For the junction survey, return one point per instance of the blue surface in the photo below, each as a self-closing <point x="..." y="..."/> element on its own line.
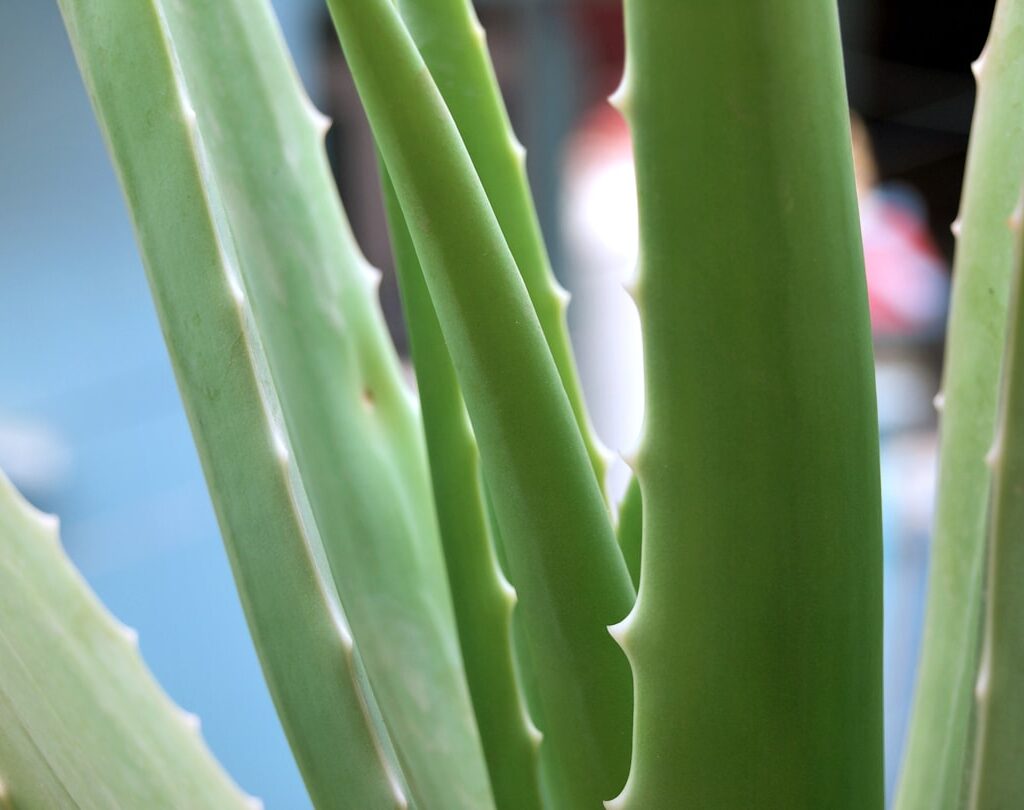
<point x="83" y="363"/>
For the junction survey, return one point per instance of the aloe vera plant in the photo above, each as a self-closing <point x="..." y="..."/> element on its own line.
<point x="448" y="611"/>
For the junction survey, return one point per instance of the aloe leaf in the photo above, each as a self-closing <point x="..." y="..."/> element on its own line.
<point x="936" y="758"/>
<point x="453" y="46"/>
<point x="351" y="426"/>
<point x="756" y="640"/>
<point x="998" y="780"/>
<point x="630" y="529"/>
<point x="550" y="511"/>
<point x="82" y="722"/>
<point x="306" y="652"/>
<point x="351" y="421"/>
<point x="482" y="597"/>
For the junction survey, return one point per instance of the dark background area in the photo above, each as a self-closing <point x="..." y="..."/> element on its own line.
<point x="908" y="72"/>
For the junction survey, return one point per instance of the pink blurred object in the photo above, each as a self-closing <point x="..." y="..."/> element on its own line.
<point x="906" y="276"/>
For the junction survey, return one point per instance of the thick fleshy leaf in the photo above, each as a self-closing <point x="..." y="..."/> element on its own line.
<point x="82" y="722"/>
<point x="936" y="760"/>
<point x="258" y="225"/>
<point x="756" y="640"/>
<point x="549" y="508"/>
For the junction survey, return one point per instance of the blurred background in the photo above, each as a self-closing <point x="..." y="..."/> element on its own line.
<point x="91" y="427"/>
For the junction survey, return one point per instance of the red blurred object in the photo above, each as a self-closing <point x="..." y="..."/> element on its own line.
<point x="906" y="275"/>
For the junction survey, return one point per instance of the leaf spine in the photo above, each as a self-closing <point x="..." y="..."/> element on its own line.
<point x="279" y="442"/>
<point x="479" y="32"/>
<point x="1016" y="217"/>
<point x="236" y="289"/>
<point x="562" y="295"/>
<point x="982" y="685"/>
<point x="535" y="735"/>
<point x="508" y="591"/>
<point x="129" y="634"/>
<point x="621" y="631"/>
<point x="191" y="721"/>
<point x="518" y="151"/>
<point x="994" y="455"/>
<point x="373" y="277"/>
<point x="978" y="65"/>
<point x="321" y="123"/>
<point x="621" y="99"/>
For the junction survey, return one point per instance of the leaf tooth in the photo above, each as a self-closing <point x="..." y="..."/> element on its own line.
<point x="631" y="459"/>
<point x="373" y="276"/>
<point x="1017" y="217"/>
<point x="508" y="592"/>
<point x="983" y="686"/>
<point x="535" y="735"/>
<point x="562" y="296"/>
<point x="236" y="289"/>
<point x="479" y="32"/>
<point x="518" y="150"/>
<point x="625" y="798"/>
<point x="190" y="720"/>
<point x="321" y="122"/>
<point x="401" y="800"/>
<point x="994" y="456"/>
<point x="280" y="443"/>
<point x="631" y="287"/>
<point x="622" y="98"/>
<point x="978" y="65"/>
<point x="344" y="632"/>
<point x="129" y="634"/>
<point x="624" y="633"/>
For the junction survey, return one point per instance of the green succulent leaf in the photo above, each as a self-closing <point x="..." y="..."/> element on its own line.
<point x="83" y="724"/>
<point x="454" y="48"/>
<point x="756" y="636"/>
<point x="549" y="508"/>
<point x="936" y="762"/>
<point x="998" y="780"/>
<point x="240" y="157"/>
<point x="482" y="597"/>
